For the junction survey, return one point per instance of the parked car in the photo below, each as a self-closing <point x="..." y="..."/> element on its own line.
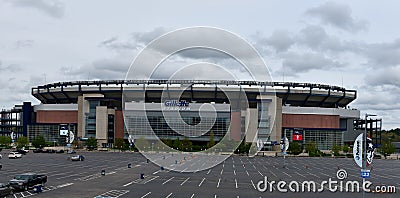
<point x="78" y="158"/>
<point x="71" y="152"/>
<point x="22" y="151"/>
<point x="5" y="190"/>
<point x="27" y="180"/>
<point x="38" y="151"/>
<point x="14" y="155"/>
<point x="60" y="151"/>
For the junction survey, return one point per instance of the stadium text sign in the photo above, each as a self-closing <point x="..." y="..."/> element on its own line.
<point x="179" y="105"/>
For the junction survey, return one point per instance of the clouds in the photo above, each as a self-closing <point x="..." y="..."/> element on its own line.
<point x="297" y="63"/>
<point x="53" y="8"/>
<point x="337" y="15"/>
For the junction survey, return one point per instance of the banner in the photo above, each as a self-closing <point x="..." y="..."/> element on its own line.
<point x="358" y="150"/>
<point x="370" y="151"/>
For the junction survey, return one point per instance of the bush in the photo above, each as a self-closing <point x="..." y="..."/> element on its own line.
<point x="295" y="148"/>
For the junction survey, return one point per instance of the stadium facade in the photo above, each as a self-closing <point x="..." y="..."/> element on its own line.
<point x="305" y="112"/>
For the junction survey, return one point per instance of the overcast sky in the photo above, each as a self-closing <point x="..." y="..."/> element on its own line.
<point x="354" y="44"/>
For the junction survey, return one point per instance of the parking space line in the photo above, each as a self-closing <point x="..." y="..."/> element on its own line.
<point x="192" y="196"/>
<point x="127" y="184"/>
<point x="209" y="171"/>
<point x="252" y="183"/>
<point x="145" y="195"/>
<point x="168" y="180"/>
<point x="236" y="183"/>
<point x="286" y="174"/>
<point x="247" y="173"/>
<point x="185" y="181"/>
<point x="202" y="182"/>
<point x="260" y="173"/>
<point x="168" y="195"/>
<point x="219" y="180"/>
<point x="234" y="172"/>
<point x="222" y="171"/>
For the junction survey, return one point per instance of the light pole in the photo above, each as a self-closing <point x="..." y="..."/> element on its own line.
<point x="365" y="148"/>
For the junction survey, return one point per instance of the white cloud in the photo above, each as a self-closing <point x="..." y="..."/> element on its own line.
<point x="53" y="8"/>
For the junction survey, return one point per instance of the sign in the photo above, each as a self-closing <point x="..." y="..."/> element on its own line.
<point x="358" y="150"/>
<point x="365" y="173"/>
<point x="63" y="129"/>
<point x="298" y="135"/>
<point x="176" y="105"/>
<point x="284" y="144"/>
<point x="370" y="151"/>
<point x="71" y="138"/>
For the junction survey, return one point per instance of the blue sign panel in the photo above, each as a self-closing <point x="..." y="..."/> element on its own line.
<point x="365" y="173"/>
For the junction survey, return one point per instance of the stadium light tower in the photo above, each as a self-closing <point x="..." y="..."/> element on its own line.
<point x="365" y="147"/>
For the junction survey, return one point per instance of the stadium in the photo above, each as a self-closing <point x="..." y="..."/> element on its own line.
<point x="305" y="112"/>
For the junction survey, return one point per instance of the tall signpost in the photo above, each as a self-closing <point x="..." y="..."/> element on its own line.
<point x="360" y="153"/>
<point x="284" y="148"/>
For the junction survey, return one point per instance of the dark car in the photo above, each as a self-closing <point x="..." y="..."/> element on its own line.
<point x="27" y="180"/>
<point x="38" y="151"/>
<point x="5" y="190"/>
<point x="22" y="151"/>
<point x="71" y="152"/>
<point x="60" y="151"/>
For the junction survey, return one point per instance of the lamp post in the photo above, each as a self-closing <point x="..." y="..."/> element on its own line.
<point x="365" y="148"/>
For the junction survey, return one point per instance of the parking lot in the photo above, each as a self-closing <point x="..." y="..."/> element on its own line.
<point x="237" y="176"/>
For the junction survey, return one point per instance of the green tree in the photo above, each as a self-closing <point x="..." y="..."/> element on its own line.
<point x="186" y="144"/>
<point x="336" y="149"/>
<point x="176" y="144"/>
<point x="312" y="149"/>
<point x="119" y="143"/>
<point x="346" y="149"/>
<point x="295" y="148"/>
<point x="387" y="148"/>
<point x="39" y="142"/>
<point x="5" y="140"/>
<point x="142" y="144"/>
<point x="211" y="143"/>
<point x="91" y="143"/>
<point x="22" y="142"/>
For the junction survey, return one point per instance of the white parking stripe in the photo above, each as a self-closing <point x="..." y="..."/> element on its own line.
<point x="253" y="184"/>
<point x="168" y="180"/>
<point x="236" y="183"/>
<point x="219" y="180"/>
<point x="185" y="181"/>
<point x="234" y="172"/>
<point x="208" y="171"/>
<point x="247" y="173"/>
<point x="192" y="196"/>
<point x="168" y="195"/>
<point x="145" y="195"/>
<point x="202" y="182"/>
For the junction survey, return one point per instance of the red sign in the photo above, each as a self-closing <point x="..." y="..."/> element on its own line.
<point x="298" y="135"/>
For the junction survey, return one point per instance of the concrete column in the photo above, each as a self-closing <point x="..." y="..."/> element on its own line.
<point x="101" y="124"/>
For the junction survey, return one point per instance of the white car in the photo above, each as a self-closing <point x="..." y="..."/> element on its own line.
<point x="14" y="155"/>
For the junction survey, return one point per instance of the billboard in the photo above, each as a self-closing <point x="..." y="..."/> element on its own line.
<point x="63" y="129"/>
<point x="298" y="135"/>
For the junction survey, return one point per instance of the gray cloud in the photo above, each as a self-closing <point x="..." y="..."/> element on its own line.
<point x="53" y="8"/>
<point x="10" y="68"/>
<point x="280" y="40"/>
<point x="304" y="62"/>
<point x="23" y="44"/>
<point x="104" y="69"/>
<point x="339" y="16"/>
<point x="382" y="54"/>
<point x="384" y="76"/>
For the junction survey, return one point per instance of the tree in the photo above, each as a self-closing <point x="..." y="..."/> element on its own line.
<point x="176" y="144"/>
<point x="312" y="149"/>
<point x="186" y="144"/>
<point x="295" y="148"/>
<point x="387" y="148"/>
<point x="22" y="142"/>
<point x="39" y="142"/>
<point x="142" y="144"/>
<point x="346" y="148"/>
<point x="119" y="143"/>
<point x="211" y="143"/>
<point x="5" y="140"/>
<point x="91" y="143"/>
<point x="336" y="149"/>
